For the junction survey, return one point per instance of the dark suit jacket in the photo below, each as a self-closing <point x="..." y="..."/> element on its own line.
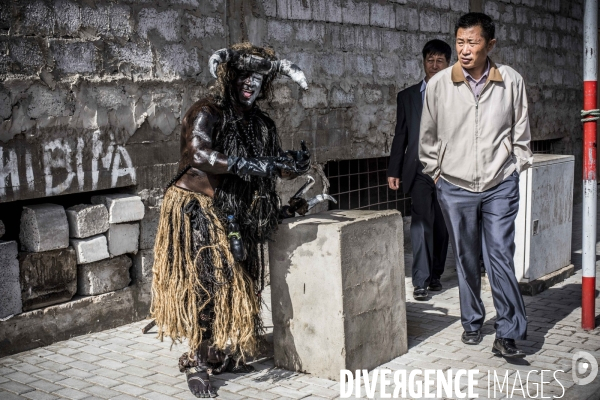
<point x="404" y="156"/>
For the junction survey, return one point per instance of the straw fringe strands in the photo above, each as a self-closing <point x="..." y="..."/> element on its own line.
<point x="198" y="291"/>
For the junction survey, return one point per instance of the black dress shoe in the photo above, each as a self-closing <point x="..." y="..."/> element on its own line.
<point x="472" y="337"/>
<point x="506" y="348"/>
<point x="420" y="293"/>
<point x="435" y="285"/>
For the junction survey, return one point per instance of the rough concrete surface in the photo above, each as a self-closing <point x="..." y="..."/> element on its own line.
<point x="149" y="227"/>
<point x="103" y="276"/>
<point x="123" y="238"/>
<point x="142" y="266"/>
<point x="87" y="220"/>
<point x="43" y="227"/>
<point x="355" y="257"/>
<point x="93" y="93"/>
<point x="10" y="289"/>
<point x="90" y="249"/>
<point x="47" y="278"/>
<point x="121" y="207"/>
<point x="80" y="316"/>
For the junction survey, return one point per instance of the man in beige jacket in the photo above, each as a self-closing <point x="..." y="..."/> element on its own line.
<point x="475" y="136"/>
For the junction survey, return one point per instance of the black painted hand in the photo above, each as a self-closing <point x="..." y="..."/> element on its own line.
<point x="301" y="159"/>
<point x="266" y="167"/>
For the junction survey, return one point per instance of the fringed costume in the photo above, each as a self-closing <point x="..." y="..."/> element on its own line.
<point x="230" y="157"/>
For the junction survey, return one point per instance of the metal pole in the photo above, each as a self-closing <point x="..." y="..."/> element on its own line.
<point x="590" y="76"/>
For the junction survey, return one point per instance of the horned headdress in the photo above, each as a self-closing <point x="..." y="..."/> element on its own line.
<point x="251" y="62"/>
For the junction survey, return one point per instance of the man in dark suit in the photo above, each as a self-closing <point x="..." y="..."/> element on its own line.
<point x="428" y="231"/>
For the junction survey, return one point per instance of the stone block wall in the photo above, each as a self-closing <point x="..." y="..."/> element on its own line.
<point x="92" y="92"/>
<point x="85" y="251"/>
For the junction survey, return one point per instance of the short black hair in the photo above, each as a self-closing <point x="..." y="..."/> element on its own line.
<point x="437" y="46"/>
<point x="488" y="29"/>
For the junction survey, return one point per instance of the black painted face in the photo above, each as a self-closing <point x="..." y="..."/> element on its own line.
<point x="248" y="87"/>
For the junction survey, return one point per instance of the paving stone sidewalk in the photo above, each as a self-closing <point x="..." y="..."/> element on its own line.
<point x="123" y="363"/>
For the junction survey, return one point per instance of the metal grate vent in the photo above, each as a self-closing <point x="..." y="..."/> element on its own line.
<point x="543" y="146"/>
<point x="362" y="185"/>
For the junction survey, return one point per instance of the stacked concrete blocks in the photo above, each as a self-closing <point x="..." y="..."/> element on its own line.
<point x="10" y="288"/>
<point x="121" y="207"/>
<point x="44" y="227"/>
<point x="47" y="266"/>
<point x="90" y="249"/>
<point x="87" y="220"/>
<point x="47" y="278"/>
<point x="87" y="223"/>
<point x="104" y="266"/>
<point x="123" y="238"/>
<point x="355" y="259"/>
<point x="103" y="276"/>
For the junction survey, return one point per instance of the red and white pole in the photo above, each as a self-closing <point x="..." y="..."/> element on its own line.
<point x="590" y="77"/>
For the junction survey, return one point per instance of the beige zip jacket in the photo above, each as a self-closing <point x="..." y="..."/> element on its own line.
<point x="474" y="144"/>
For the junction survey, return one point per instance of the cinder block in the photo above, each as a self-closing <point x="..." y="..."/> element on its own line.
<point x="87" y="220"/>
<point x="2" y="229"/>
<point x="149" y="227"/>
<point x="103" y="276"/>
<point x="356" y="257"/>
<point x="47" y="278"/>
<point x="10" y="289"/>
<point x="142" y="266"/>
<point x="429" y="21"/>
<point x="74" y="58"/>
<point x="164" y="23"/>
<point x="123" y="238"/>
<point x="177" y="60"/>
<point x="355" y="12"/>
<point x="90" y="249"/>
<point x="27" y="53"/>
<point x="407" y="19"/>
<point x="383" y="15"/>
<point x="44" y="227"/>
<point x="121" y="207"/>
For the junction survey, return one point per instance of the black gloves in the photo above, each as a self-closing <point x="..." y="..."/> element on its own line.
<point x="297" y="205"/>
<point x="292" y="161"/>
<point x="266" y="167"/>
<point x="301" y="159"/>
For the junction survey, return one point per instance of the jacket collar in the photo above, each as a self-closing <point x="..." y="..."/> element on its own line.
<point x="458" y="76"/>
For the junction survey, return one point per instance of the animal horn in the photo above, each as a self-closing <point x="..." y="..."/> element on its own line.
<point x="290" y="69"/>
<point x="219" y="57"/>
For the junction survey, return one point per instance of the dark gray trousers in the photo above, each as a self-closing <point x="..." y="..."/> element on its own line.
<point x="485" y="222"/>
<point x="428" y="232"/>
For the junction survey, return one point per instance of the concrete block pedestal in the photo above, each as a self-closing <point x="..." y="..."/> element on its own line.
<point x="338" y="301"/>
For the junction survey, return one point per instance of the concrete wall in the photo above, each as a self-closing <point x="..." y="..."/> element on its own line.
<point x="93" y="92"/>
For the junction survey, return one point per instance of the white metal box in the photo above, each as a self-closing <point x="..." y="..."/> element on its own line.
<point x="544" y="221"/>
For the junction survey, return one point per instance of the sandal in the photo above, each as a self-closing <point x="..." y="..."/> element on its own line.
<point x="198" y="382"/>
